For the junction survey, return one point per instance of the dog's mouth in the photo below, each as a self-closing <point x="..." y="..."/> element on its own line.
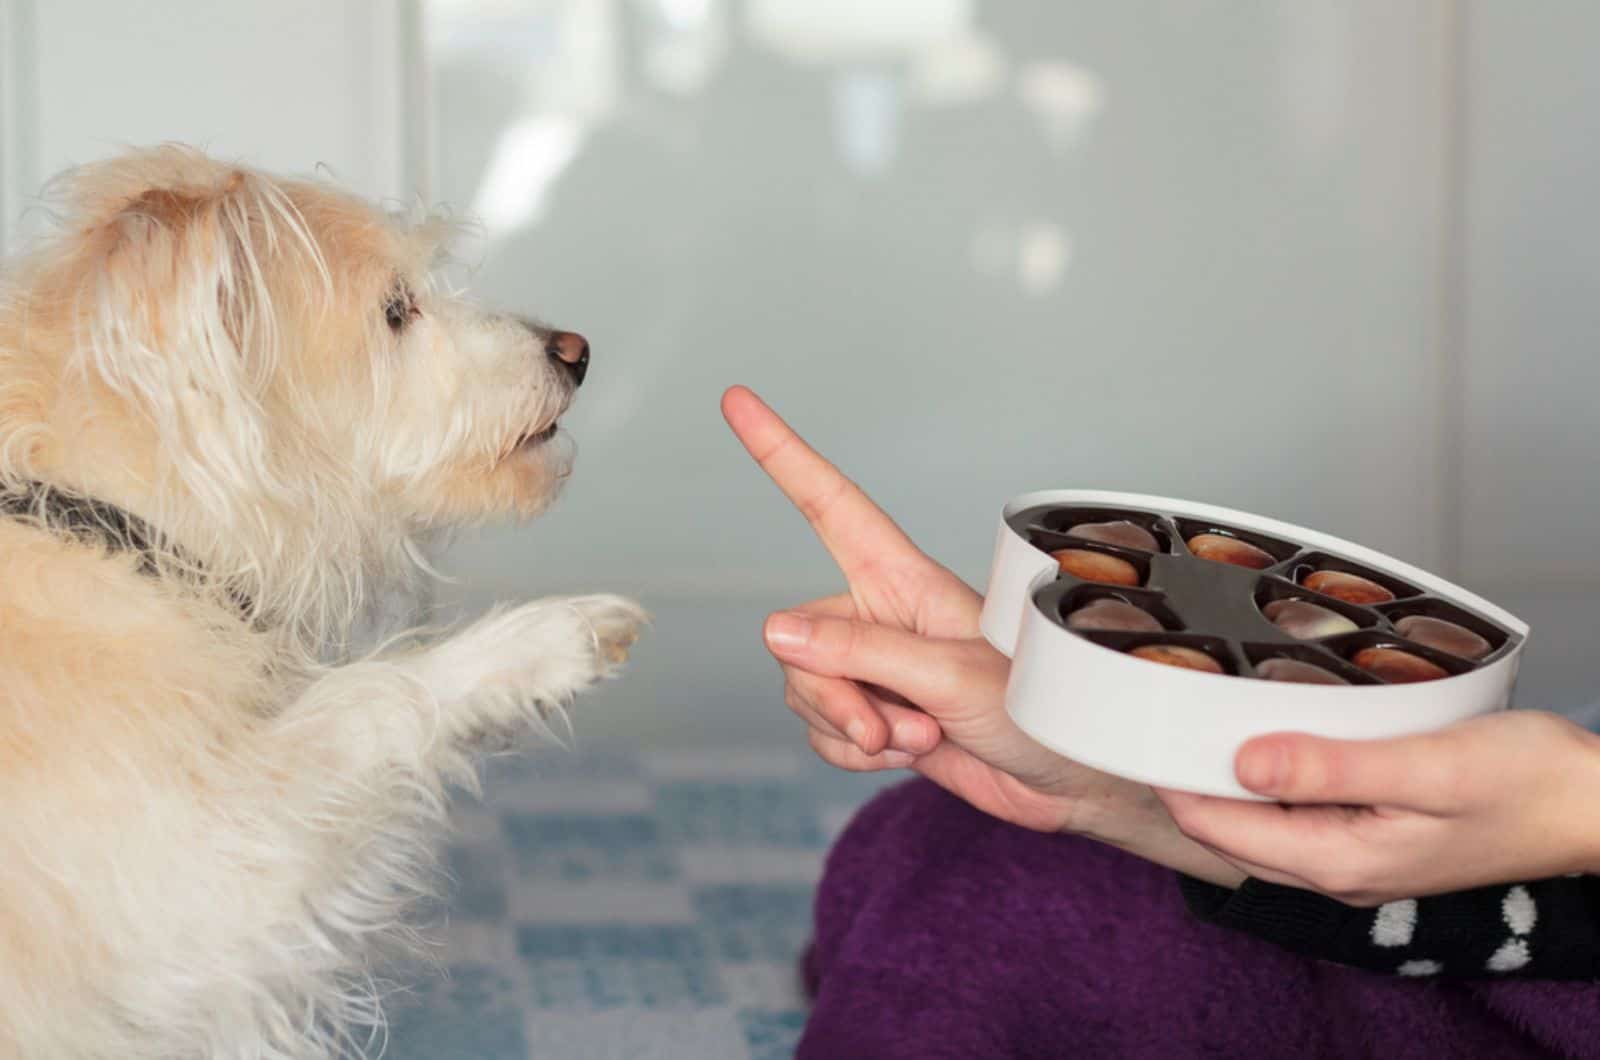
<point x="532" y="439"/>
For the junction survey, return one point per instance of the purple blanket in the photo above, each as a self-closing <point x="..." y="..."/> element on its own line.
<point x="944" y="933"/>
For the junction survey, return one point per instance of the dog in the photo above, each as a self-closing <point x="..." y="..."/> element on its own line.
<point x="231" y="407"/>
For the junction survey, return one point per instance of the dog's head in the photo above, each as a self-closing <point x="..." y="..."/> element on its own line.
<point x="267" y="369"/>
<point x="277" y="333"/>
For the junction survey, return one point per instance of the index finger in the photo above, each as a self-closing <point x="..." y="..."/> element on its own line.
<point x="852" y="528"/>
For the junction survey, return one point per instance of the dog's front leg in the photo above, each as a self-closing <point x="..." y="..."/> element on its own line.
<point x="339" y="801"/>
<point x="425" y="709"/>
<point x="519" y="666"/>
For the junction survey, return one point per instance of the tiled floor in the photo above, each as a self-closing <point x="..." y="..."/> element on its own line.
<point x="622" y="905"/>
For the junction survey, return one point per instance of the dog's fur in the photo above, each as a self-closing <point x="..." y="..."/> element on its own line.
<point x="211" y="821"/>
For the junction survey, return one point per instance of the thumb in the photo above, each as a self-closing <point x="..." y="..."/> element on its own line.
<point x="959" y="683"/>
<point x="933" y="674"/>
<point x="1414" y="772"/>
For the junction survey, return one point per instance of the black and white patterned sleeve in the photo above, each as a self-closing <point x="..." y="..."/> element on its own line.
<point x="1545" y="929"/>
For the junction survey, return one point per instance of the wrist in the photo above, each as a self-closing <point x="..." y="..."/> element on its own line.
<point x="1131" y="818"/>
<point x="1583" y="800"/>
<point x="1116" y="812"/>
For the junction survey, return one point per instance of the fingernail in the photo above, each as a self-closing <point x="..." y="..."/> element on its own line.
<point x="857" y="731"/>
<point x="1263" y="769"/>
<point x="907" y="737"/>
<point x="897" y="759"/>
<point x="788" y="630"/>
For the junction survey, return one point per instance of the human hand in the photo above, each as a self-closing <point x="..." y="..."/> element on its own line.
<point x="1499" y="798"/>
<point x="889" y="580"/>
<point x="893" y="672"/>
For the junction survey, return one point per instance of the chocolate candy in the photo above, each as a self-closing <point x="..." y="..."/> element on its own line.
<point x="1096" y="566"/>
<point x="1112" y="614"/>
<point x="1220" y="548"/>
<point x="1445" y="636"/>
<point x="1118" y="532"/>
<point x="1178" y="655"/>
<point x="1156" y="585"/>
<point x="1351" y="588"/>
<point x="1305" y="620"/>
<point x="1301" y="673"/>
<point x="1396" y="666"/>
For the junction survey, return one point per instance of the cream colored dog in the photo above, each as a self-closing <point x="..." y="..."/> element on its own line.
<point x="229" y="405"/>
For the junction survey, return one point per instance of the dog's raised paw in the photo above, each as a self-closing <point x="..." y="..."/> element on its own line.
<point x="615" y="623"/>
<point x="537" y="655"/>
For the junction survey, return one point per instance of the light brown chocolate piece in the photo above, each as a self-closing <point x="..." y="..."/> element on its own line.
<point x="1351" y="588"/>
<point x="1398" y="667"/>
<point x="1219" y="548"/>
<point x="1096" y="566"/>
<point x="1178" y="655"/>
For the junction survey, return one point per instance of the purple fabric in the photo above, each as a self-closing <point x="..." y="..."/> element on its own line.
<point x="942" y="932"/>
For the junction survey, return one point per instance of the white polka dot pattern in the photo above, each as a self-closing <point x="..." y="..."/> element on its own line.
<point x="1395" y="923"/>
<point x="1520" y="913"/>
<point x="1513" y="954"/>
<point x="1518" y="909"/>
<point x="1420" y="968"/>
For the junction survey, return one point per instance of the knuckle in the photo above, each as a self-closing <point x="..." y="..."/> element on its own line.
<point x="1451" y="783"/>
<point x="1345" y="881"/>
<point x="1312" y="772"/>
<point x="852" y="641"/>
<point x="801" y="705"/>
<point x="1437" y="776"/>
<point x="837" y="753"/>
<point x="815" y="506"/>
<point x="1547" y="725"/>
<point x="833" y="705"/>
<point x="826" y="747"/>
<point x="1554" y="731"/>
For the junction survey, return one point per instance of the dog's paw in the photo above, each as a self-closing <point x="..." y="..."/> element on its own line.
<point x="614" y="623"/>
<point x="532" y="658"/>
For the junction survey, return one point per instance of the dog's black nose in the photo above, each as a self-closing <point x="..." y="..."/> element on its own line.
<point x="572" y="350"/>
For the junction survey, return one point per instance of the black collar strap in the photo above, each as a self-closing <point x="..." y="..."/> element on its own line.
<point x="96" y="522"/>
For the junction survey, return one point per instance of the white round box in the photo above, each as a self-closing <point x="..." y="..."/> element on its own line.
<point x="1181" y="729"/>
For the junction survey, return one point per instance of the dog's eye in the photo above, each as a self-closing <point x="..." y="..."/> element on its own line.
<point x="399" y="308"/>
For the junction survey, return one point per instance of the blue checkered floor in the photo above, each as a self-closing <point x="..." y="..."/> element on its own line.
<point x="621" y="905"/>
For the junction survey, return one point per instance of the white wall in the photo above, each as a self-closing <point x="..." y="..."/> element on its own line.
<point x="1531" y="462"/>
<point x="288" y="84"/>
<point x="1184" y="248"/>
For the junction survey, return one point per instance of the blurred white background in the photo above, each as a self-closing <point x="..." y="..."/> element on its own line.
<point x="1334" y="262"/>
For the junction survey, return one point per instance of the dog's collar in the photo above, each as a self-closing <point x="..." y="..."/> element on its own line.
<point x="98" y="522"/>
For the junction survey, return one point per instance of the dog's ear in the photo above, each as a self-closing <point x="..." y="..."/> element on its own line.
<point x="177" y="296"/>
<point x="180" y="285"/>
